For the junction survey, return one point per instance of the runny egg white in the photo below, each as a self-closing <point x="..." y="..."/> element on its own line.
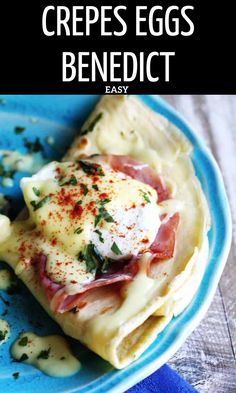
<point x="71" y="209"/>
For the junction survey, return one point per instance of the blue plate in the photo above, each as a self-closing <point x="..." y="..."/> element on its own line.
<point x="61" y="117"/>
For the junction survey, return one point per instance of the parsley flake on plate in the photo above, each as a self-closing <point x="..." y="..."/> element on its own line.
<point x="23" y="341"/>
<point x="44" y="354"/>
<point x="33" y="147"/>
<point x="3" y="334"/>
<point x="18" y="130"/>
<point x="23" y="357"/>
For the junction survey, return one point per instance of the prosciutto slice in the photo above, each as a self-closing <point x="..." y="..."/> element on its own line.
<point x="162" y="248"/>
<point x="56" y="293"/>
<point x="63" y="302"/>
<point x="50" y="287"/>
<point x="137" y="170"/>
<point x="164" y="244"/>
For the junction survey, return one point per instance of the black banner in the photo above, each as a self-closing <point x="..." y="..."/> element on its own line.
<point x="117" y="47"/>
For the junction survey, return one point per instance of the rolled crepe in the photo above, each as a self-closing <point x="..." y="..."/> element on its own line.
<point x="121" y="332"/>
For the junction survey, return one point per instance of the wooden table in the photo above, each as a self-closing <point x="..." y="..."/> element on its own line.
<point x="207" y="359"/>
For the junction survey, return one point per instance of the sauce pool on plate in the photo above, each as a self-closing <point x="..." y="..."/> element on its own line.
<point x="4" y="331"/>
<point x="5" y="279"/>
<point x="50" y="354"/>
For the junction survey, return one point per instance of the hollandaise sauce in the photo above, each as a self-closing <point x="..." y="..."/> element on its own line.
<point x="4" y="331"/>
<point x="50" y="354"/>
<point x="5" y="279"/>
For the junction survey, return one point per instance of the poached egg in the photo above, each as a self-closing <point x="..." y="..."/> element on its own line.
<point x="76" y="204"/>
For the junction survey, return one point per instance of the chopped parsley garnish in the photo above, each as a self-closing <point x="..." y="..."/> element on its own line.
<point x="33" y="147"/>
<point x="23" y="357"/>
<point x="104" y="201"/>
<point x="44" y="354"/>
<point x="19" y="130"/>
<point x="79" y="202"/>
<point x="41" y="203"/>
<point x="116" y="249"/>
<point x="95" y="187"/>
<point x="99" y="233"/>
<point x="36" y="191"/>
<point x="91" y="168"/>
<point x="72" y="181"/>
<point x="3" y="335"/>
<point x="23" y="341"/>
<point x="103" y="214"/>
<point x="92" y="258"/>
<point x="105" y="266"/>
<point x="84" y="189"/>
<point x="95" y="263"/>
<point x="16" y="375"/>
<point x="74" y="310"/>
<point x="92" y="125"/>
<point x="145" y="196"/>
<point x="78" y="230"/>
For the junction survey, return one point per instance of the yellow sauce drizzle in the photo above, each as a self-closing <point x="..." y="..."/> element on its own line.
<point x="4" y="331"/>
<point x="5" y="279"/>
<point x="50" y="354"/>
<point x="14" y="160"/>
<point x="4" y="204"/>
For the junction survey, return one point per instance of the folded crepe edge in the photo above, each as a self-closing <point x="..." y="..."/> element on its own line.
<point x="132" y="338"/>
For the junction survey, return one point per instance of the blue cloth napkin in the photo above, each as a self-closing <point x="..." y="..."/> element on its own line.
<point x="164" y="380"/>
